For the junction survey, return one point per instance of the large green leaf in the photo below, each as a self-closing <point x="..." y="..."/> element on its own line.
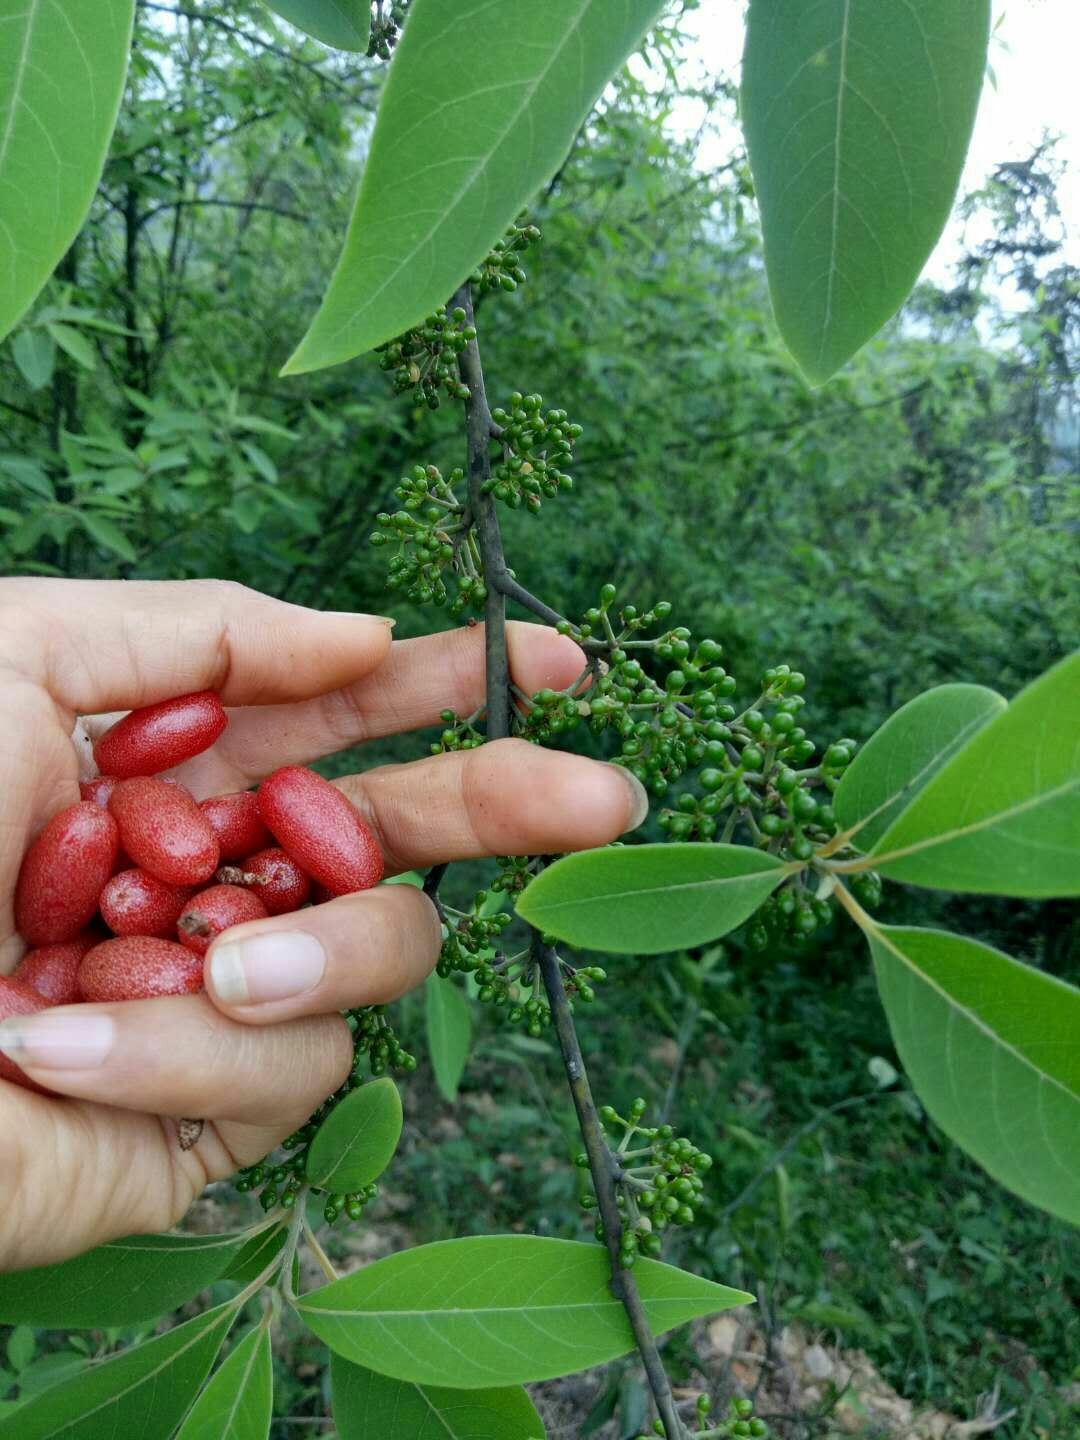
<point x="367" y="1405"/>
<point x="993" y="1049"/>
<point x="449" y="1030"/>
<point x="498" y="1310"/>
<point x="1003" y="816"/>
<point x="62" y="70"/>
<point x="120" y="1283"/>
<point x="480" y="109"/>
<point x="142" y="1393"/>
<point x="905" y="753"/>
<point x="344" y="24"/>
<point x="644" y="899"/>
<point x="857" y="116"/>
<point x="238" y="1403"/>
<point x="357" y="1140"/>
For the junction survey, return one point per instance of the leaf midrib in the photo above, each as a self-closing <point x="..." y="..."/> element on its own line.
<point x="554" y="1306"/>
<point x="608" y="895"/>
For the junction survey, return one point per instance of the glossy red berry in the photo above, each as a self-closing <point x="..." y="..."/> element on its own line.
<point x="51" y="971"/>
<point x="210" y="912"/>
<point x="320" y="829"/>
<point x="63" y="872"/>
<point x="164" y="831"/>
<point x="18" y="999"/>
<point x="155" y="738"/>
<point x="99" y="789"/>
<point x="279" y="882"/>
<point x="139" y="967"/>
<point x="138" y="903"/>
<point x="237" y="824"/>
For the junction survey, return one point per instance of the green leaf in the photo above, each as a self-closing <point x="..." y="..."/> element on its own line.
<point x="449" y="1031"/>
<point x="255" y="1256"/>
<point x="35" y="354"/>
<point x="905" y="753"/>
<point x="644" y="899"/>
<point x="20" y="1347"/>
<point x="27" y="473"/>
<point x="368" y="1405"/>
<point x="991" y="1047"/>
<point x="121" y="1283"/>
<point x="465" y="134"/>
<point x="1003" y="816"/>
<point x="344" y="24"/>
<point x="108" y="535"/>
<point x="238" y="1403"/>
<point x="76" y="345"/>
<point x="142" y="1393"/>
<point x="62" y="71"/>
<point x="857" y="120"/>
<point x="498" y="1310"/>
<point x="357" y="1140"/>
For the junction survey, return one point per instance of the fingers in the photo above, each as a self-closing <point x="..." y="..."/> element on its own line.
<point x="99" y="645"/>
<point x="180" y="1056"/>
<point x="360" y="950"/>
<point x="417" y="680"/>
<point x="506" y="798"/>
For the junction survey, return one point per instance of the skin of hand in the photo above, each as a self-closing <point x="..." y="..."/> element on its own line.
<point x="264" y="1044"/>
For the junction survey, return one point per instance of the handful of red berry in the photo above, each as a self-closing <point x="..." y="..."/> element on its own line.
<point x="139" y="857"/>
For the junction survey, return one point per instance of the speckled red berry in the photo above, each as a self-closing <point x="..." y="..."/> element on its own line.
<point x="18" y="999"/>
<point x="99" y="789"/>
<point x="237" y="824"/>
<point x="51" y="971"/>
<point x="279" y="882"/>
<point x="320" y="829"/>
<point x="164" y="831"/>
<point x="155" y="738"/>
<point x="63" y="872"/>
<point x="139" y="967"/>
<point x="138" y="903"/>
<point x="210" y="912"/>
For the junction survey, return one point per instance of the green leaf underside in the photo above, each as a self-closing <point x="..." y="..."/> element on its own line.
<point x="141" y="1394"/>
<point x="857" y="116"/>
<point x="256" y="1255"/>
<point x="992" y="1048"/>
<point x="121" y="1283"/>
<point x="1003" y="816"/>
<point x="906" y="753"/>
<point x="62" y="69"/>
<point x="449" y="1030"/>
<point x="367" y="1405"/>
<point x="498" y="1310"/>
<point x="645" y="899"/>
<point x="238" y="1403"/>
<point x="465" y="134"/>
<point x="357" y="1140"/>
<point x="344" y="24"/>
<point x="35" y="354"/>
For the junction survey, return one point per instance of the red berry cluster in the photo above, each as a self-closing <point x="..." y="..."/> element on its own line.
<point x="166" y="873"/>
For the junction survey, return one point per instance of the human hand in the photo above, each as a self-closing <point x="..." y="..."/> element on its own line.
<point x="263" y="1046"/>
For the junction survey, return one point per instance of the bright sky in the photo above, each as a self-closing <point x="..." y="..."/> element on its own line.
<point x="1035" y="55"/>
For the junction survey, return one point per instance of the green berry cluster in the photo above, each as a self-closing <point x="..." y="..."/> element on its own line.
<point x="738" y="1423"/>
<point x="501" y="268"/>
<point x="426" y="359"/>
<point x="514" y="985"/>
<point x="433" y="542"/>
<point x="386" y="22"/>
<point x="534" y="444"/>
<point x="471" y="936"/>
<point x="659" y="1181"/>
<point x="375" y="1042"/>
<point x="458" y="733"/>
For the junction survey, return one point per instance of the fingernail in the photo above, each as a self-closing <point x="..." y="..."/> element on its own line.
<point x="275" y="966"/>
<point x="64" y="1039"/>
<point x="362" y="615"/>
<point x="640" y="798"/>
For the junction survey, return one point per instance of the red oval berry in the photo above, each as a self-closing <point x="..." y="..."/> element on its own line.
<point x="157" y="737"/>
<point x="214" y="910"/>
<point x="52" y="971"/>
<point x="138" y="903"/>
<point x="164" y="831"/>
<point x="99" y="789"/>
<point x="139" y="967"/>
<point x="62" y="873"/>
<point x="18" y="999"/>
<point x="279" y="882"/>
<point x="320" y="829"/>
<point x="236" y="822"/>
